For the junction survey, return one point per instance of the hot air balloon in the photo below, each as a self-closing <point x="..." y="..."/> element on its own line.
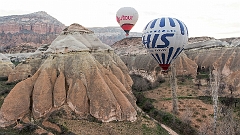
<point x="127" y="18"/>
<point x="165" y="38"/>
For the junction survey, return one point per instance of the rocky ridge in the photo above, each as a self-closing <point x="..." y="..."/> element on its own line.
<point x="6" y="66"/>
<point x="30" y="29"/>
<point x="84" y="76"/>
<point x="110" y="35"/>
<point x="221" y="55"/>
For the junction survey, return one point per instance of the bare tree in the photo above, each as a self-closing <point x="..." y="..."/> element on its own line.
<point x="173" y="84"/>
<point x="214" y="82"/>
<point x="222" y="86"/>
<point x="228" y="125"/>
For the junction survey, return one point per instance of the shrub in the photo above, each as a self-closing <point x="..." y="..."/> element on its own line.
<point x="147" y="106"/>
<point x="139" y="83"/>
<point x="158" y="81"/>
<point x="142" y="84"/>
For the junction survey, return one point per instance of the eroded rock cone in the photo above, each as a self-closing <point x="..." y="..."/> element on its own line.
<point x="84" y="75"/>
<point x="24" y="70"/>
<point x="6" y="66"/>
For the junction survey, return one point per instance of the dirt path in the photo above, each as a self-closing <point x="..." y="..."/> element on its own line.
<point x="170" y="131"/>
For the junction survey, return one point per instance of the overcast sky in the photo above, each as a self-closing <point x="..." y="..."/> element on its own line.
<point x="214" y="18"/>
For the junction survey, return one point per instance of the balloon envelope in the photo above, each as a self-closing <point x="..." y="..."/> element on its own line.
<point x="165" y="39"/>
<point x="127" y="18"/>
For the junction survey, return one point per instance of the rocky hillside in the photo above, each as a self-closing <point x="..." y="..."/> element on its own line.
<point x="222" y="55"/>
<point x="209" y="42"/>
<point x="30" y="29"/>
<point x="6" y="66"/>
<point x="82" y="76"/>
<point x="110" y="35"/>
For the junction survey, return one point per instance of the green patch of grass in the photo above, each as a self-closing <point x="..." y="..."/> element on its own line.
<point x="205" y="99"/>
<point x="186" y="97"/>
<point x="202" y="76"/>
<point x="168" y="119"/>
<point x="151" y="131"/>
<point x="5" y="88"/>
<point x="204" y="116"/>
<point x="28" y="129"/>
<point x="180" y="97"/>
<point x="167" y="99"/>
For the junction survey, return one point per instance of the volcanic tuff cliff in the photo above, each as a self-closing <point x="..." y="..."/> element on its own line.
<point x="81" y="75"/>
<point x="30" y="29"/>
<point x="222" y="55"/>
<point x="6" y="66"/>
<point x="110" y="35"/>
<point x="40" y="28"/>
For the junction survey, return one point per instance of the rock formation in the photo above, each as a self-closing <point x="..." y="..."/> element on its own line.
<point x="135" y="56"/>
<point x="29" y="63"/>
<point x="31" y="29"/>
<point x="110" y="35"/>
<point x="25" y="69"/>
<point x="222" y="55"/>
<point x="212" y="52"/>
<point x="6" y="66"/>
<point x="82" y="75"/>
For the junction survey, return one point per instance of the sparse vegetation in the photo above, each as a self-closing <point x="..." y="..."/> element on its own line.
<point x="27" y="129"/>
<point x="151" y="131"/>
<point x="5" y="88"/>
<point x="142" y="84"/>
<point x="15" y="62"/>
<point x="163" y="117"/>
<point x="198" y="113"/>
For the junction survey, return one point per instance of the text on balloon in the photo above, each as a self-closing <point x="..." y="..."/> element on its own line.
<point x="123" y="17"/>
<point x="163" y="38"/>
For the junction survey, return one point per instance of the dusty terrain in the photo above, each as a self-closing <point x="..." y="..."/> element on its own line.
<point x="191" y="109"/>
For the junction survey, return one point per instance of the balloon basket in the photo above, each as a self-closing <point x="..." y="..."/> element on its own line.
<point x="165" y="72"/>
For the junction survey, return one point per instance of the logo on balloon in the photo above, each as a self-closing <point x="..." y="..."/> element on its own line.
<point x="123" y="17"/>
<point x="155" y="38"/>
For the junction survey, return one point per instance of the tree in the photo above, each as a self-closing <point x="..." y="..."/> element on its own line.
<point x="222" y="86"/>
<point x="173" y="83"/>
<point x="214" y="82"/>
<point x="231" y="88"/>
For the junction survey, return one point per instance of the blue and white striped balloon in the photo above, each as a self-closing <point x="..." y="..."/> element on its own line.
<point x="165" y="39"/>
